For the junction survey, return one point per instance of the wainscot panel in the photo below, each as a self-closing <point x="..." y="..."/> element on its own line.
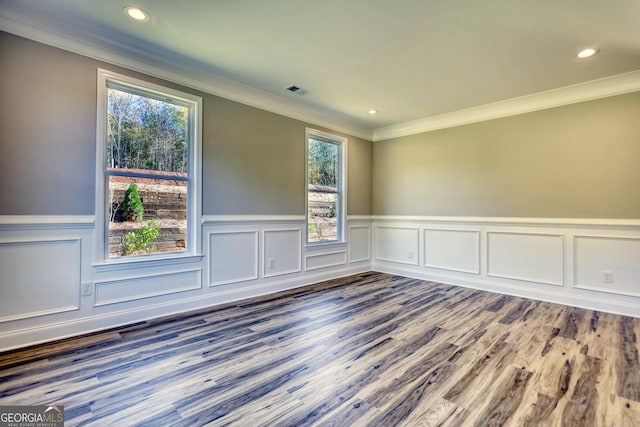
<point x="282" y="251"/>
<point x="397" y="244"/>
<point x="135" y="288"/>
<point x="608" y="264"/>
<point x="589" y="263"/>
<point x="326" y="259"/>
<point x="448" y="249"/>
<point x="359" y="243"/>
<point x="233" y="256"/>
<point x="525" y="256"/>
<point x="39" y="277"/>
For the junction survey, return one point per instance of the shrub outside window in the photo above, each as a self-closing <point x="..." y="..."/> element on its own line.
<point x="148" y="154"/>
<point x="325" y="187"/>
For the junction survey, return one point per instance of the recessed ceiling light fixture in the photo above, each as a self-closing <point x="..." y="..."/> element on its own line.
<point x="586" y="53"/>
<point x="136" y="14"/>
<point x="373" y="111"/>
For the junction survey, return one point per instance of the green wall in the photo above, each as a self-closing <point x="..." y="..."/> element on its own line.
<point x="253" y="160"/>
<point x="576" y="161"/>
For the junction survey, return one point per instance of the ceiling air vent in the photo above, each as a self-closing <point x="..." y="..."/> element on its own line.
<point x="295" y="89"/>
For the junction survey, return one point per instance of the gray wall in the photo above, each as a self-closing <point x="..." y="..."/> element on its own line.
<point x="253" y="160"/>
<point x="576" y="161"/>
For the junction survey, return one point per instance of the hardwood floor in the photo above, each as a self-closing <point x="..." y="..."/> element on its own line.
<point x="366" y="350"/>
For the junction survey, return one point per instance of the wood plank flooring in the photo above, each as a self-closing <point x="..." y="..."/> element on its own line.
<point x="365" y="350"/>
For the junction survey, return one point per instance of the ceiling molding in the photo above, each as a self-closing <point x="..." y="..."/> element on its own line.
<point x="205" y="82"/>
<point x="208" y="82"/>
<point x="587" y="91"/>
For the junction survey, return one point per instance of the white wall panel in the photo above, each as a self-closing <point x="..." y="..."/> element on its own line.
<point x="594" y="255"/>
<point x="282" y="251"/>
<point x="39" y="277"/>
<point x="233" y="257"/>
<point x="135" y="288"/>
<point x="359" y="243"/>
<point x="526" y="256"/>
<point x="457" y="250"/>
<point x="397" y="244"/>
<point x="322" y="260"/>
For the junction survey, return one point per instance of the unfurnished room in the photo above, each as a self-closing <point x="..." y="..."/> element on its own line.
<point x="327" y="213"/>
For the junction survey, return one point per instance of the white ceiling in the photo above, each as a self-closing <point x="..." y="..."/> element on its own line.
<point x="409" y="59"/>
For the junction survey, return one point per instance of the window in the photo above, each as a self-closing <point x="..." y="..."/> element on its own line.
<point x="148" y="194"/>
<point x="325" y="187"/>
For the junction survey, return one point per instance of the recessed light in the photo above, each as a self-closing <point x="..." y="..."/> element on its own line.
<point x="586" y="53"/>
<point x="136" y="13"/>
<point x="372" y="111"/>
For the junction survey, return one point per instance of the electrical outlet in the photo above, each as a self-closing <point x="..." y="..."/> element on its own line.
<point x="410" y="254"/>
<point x="86" y="289"/>
<point x="607" y="276"/>
<point x="271" y="263"/>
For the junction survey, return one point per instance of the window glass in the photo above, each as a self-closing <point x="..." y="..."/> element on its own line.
<point x="324" y="189"/>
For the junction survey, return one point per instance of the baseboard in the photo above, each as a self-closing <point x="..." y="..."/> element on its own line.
<point x="538" y="291"/>
<point x="96" y="323"/>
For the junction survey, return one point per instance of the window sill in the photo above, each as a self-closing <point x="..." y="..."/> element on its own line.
<point x="146" y="261"/>
<point x="324" y="245"/>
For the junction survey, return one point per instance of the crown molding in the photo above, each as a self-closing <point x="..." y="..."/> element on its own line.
<point x="128" y="57"/>
<point x="206" y="82"/>
<point x="581" y="92"/>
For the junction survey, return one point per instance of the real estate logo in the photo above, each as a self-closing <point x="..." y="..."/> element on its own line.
<point x="32" y="416"/>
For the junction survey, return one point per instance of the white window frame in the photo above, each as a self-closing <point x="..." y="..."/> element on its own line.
<point x="341" y="214"/>
<point x="109" y="79"/>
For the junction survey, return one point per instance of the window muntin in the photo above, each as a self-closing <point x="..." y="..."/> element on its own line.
<point x="325" y="191"/>
<point x="149" y="137"/>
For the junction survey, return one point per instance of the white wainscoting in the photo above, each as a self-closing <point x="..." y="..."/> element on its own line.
<point x="135" y="288"/>
<point x="316" y="261"/>
<point x="398" y="244"/>
<point x="39" y="277"/>
<point x="50" y="261"/>
<point x="233" y="256"/>
<point x="450" y="249"/>
<point x="359" y="243"/>
<point x="53" y="286"/>
<point x="282" y="251"/>
<point x="557" y="260"/>
<point x="620" y="256"/>
<point x="525" y="256"/>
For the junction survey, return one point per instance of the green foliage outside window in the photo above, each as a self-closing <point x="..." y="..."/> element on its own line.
<point x="131" y="207"/>
<point x="140" y="241"/>
<point x="323" y="163"/>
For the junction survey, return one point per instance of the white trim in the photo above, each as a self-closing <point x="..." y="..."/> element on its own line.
<point x="561" y="222"/>
<point x="341" y="142"/>
<point x="369" y="243"/>
<point x="213" y="219"/>
<point x="98" y="285"/>
<point x="210" y="83"/>
<point x="442" y="267"/>
<point x="522" y="278"/>
<point x="128" y="57"/>
<point x="581" y="92"/>
<point x="40" y="333"/>
<point x="298" y="269"/>
<point x="256" y="255"/>
<point x="591" y="300"/>
<point x="318" y="255"/>
<point x="105" y="79"/>
<point x="48" y="221"/>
